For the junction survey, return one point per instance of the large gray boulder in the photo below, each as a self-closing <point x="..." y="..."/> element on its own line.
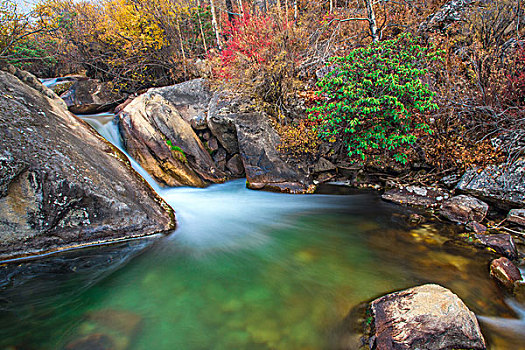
<point x="264" y="165"/>
<point x="502" y="185"/>
<point x="61" y="184"/>
<point x="90" y="96"/>
<point x="221" y="121"/>
<point x="424" y="317"/>
<point x="164" y="144"/>
<point x="190" y="98"/>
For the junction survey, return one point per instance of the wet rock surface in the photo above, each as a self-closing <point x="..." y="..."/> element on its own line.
<point x="164" y="144"/>
<point x="91" y="96"/>
<point x="416" y="195"/>
<point x="463" y="209"/>
<point x="502" y="244"/>
<point x="505" y="272"/>
<point x="424" y="317"/>
<point x="61" y="184"/>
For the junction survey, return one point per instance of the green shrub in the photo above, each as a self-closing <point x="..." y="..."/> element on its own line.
<point x="373" y="99"/>
<point x="177" y="151"/>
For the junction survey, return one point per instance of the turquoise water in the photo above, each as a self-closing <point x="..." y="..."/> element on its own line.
<point x="247" y="270"/>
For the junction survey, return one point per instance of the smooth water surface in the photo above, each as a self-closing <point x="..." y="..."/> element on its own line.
<point x="253" y="270"/>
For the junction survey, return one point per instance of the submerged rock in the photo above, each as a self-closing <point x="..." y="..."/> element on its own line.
<point x="502" y="185"/>
<point x="164" y="144"/>
<point x="61" y="184"/>
<point x="90" y="96"/>
<point x="463" y="209"/>
<point x="424" y="317"/>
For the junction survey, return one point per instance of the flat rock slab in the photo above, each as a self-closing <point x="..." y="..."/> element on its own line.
<point x="502" y="244"/>
<point x="517" y="216"/>
<point x="416" y="196"/>
<point x="502" y="185"/>
<point x="424" y="317"/>
<point x="463" y="209"/>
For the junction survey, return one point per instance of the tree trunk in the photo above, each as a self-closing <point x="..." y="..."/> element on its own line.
<point x="331" y="6"/>
<point x="241" y="8"/>
<point x="229" y="8"/>
<point x="295" y="10"/>
<point x="372" y="21"/>
<point x="181" y="45"/>
<point x="215" y="25"/>
<point x="200" y="27"/>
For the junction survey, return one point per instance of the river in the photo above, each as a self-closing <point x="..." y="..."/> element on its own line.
<point x="248" y="270"/>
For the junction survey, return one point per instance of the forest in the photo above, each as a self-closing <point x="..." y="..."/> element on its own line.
<point x="400" y="84"/>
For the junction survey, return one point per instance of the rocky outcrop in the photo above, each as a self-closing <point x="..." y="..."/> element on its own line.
<point x="190" y="98"/>
<point x="61" y="184"/>
<point x="265" y="169"/>
<point x="221" y="121"/>
<point x="463" y="209"/>
<point x="502" y="185"/>
<point x="449" y="13"/>
<point x="91" y="96"/>
<point x="33" y="82"/>
<point x="426" y="197"/>
<point x="164" y="144"/>
<point x="424" y="317"/>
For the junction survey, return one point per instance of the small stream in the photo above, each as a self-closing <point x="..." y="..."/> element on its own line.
<point x="248" y="270"/>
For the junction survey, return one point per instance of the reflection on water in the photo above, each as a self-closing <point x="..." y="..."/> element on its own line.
<point x="251" y="270"/>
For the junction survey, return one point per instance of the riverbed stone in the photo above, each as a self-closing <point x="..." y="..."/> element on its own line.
<point x="61" y="184"/>
<point x="501" y="243"/>
<point x="91" y="96"/>
<point x="516" y="216"/>
<point x="502" y="185"/>
<point x="235" y="165"/>
<point x="96" y="341"/>
<point x="420" y="196"/>
<point x="476" y="227"/>
<point x="423" y="317"/>
<point x="164" y="144"/>
<point x="505" y="272"/>
<point x="463" y="209"/>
